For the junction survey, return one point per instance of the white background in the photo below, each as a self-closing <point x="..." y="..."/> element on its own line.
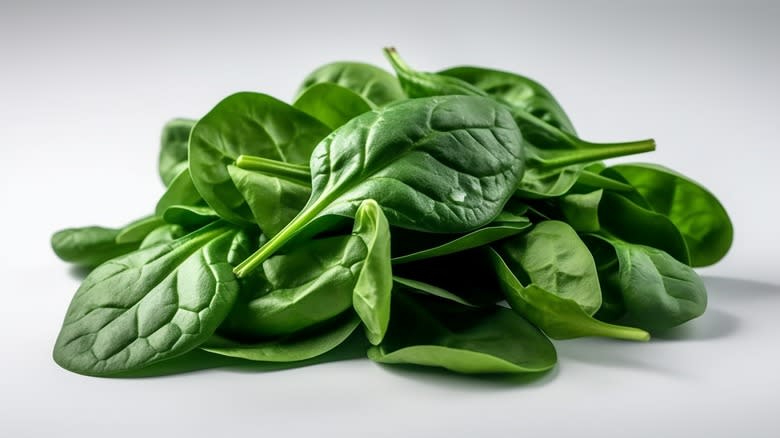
<point x="85" y="88"/>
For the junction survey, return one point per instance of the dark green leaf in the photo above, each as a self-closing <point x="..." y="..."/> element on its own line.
<point x="331" y="104"/>
<point x="370" y="82"/>
<point x="173" y="148"/>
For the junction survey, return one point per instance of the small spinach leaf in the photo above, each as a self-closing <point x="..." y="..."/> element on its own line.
<point x="290" y="348"/>
<point x="89" y="246"/>
<point x="331" y="104"/>
<point x="181" y="191"/>
<point x="246" y="124"/>
<point x="431" y="332"/>
<point x="372" y="83"/>
<point x="557" y="316"/>
<point x="173" y="148"/>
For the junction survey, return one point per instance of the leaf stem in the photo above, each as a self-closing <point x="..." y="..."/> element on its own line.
<point x="557" y="158"/>
<point x="288" y="232"/>
<point x="295" y="172"/>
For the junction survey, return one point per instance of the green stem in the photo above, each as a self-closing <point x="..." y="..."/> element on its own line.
<point x="558" y="158"/>
<point x="288" y="232"/>
<point x="295" y="172"/>
<point x="395" y="60"/>
<point x="601" y="328"/>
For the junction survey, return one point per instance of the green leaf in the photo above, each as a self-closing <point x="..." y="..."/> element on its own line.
<point x="189" y="217"/>
<point x="137" y="230"/>
<point x="173" y="148"/>
<point x="462" y="339"/>
<point x="632" y="223"/>
<point x="274" y="201"/>
<point x="162" y="234"/>
<point x="181" y="191"/>
<point x="445" y="164"/>
<point x="656" y="291"/>
<point x="246" y="124"/>
<point x="695" y="211"/>
<point x="516" y="90"/>
<point x="89" y="246"/>
<point x="407" y="284"/>
<point x="371" y="295"/>
<point x="295" y="347"/>
<point x="553" y="257"/>
<point x="581" y="210"/>
<point x="374" y="84"/>
<point x="331" y="104"/>
<point x="149" y="305"/>
<point x="557" y="316"/>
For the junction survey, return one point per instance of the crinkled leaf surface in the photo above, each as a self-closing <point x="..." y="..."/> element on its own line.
<point x="150" y="305"/>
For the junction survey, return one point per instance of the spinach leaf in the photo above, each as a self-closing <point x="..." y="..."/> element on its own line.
<point x="558" y="316"/>
<point x="516" y="90"/>
<point x="246" y="124"/>
<point x="162" y="234"/>
<point x="695" y="211"/>
<point x="137" y="230"/>
<point x="273" y="200"/>
<point x="656" y="291"/>
<point x="415" y="286"/>
<point x="431" y="332"/>
<point x="295" y="347"/>
<point x="89" y="246"/>
<point x="173" y="148"/>
<point x="549" y="150"/>
<point x="180" y="191"/>
<point x="331" y="104"/>
<point x="190" y="217"/>
<point x="374" y="84"/>
<point x="444" y="164"/>
<point x="627" y="221"/>
<point x="553" y="257"/>
<point x="371" y="295"/>
<point x="581" y="210"/>
<point x="317" y="281"/>
<point x="152" y="304"/>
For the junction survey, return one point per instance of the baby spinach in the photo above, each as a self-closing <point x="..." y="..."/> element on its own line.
<point x="318" y="281"/>
<point x="246" y="124"/>
<point x="173" y="148"/>
<point x="173" y="296"/>
<point x="656" y="291"/>
<point x="559" y="317"/>
<point x="418" y="206"/>
<point x="290" y="348"/>
<point x="331" y="104"/>
<point x="516" y="90"/>
<point x="444" y="164"/>
<point x="431" y="332"/>
<point x="695" y="211"/>
<point x="89" y="246"/>
<point x="374" y="84"/>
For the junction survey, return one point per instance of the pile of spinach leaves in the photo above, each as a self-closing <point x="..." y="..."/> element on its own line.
<point x="451" y="219"/>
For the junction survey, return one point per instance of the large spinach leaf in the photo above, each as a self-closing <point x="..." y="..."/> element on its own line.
<point x="443" y="164"/>
<point x="152" y="304"/>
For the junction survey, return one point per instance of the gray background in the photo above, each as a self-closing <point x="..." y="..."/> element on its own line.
<point x="86" y="86"/>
